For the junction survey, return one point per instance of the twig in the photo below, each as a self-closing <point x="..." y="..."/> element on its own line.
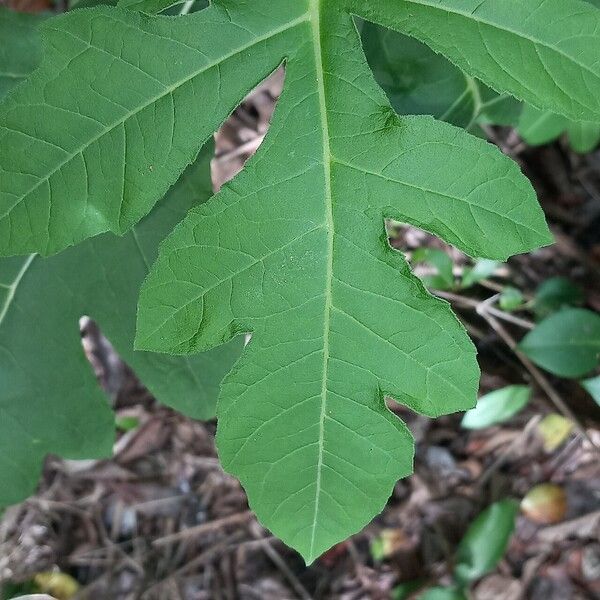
<point x="248" y="147"/>
<point x="204" y="528"/>
<point x="231" y="542"/>
<point x="187" y="6"/>
<point x="475" y="305"/>
<point x="278" y="561"/>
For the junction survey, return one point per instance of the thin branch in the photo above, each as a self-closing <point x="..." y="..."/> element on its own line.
<point x="198" y="530"/>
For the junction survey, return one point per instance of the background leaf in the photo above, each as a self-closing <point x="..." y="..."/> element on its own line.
<point x="21" y="48"/>
<point x="538" y="127"/>
<point x="545" y="504"/>
<point x="51" y="401"/>
<point x="421" y="82"/>
<point x="485" y="543"/>
<point x="566" y="343"/>
<point x="440" y="593"/>
<point x="510" y="298"/>
<point x="482" y="269"/>
<point x="533" y="51"/>
<point x="554" y="429"/>
<point x="583" y="136"/>
<point x="592" y="386"/>
<point x="497" y="406"/>
<point x="417" y="80"/>
<point x="444" y="278"/>
<point x="554" y="294"/>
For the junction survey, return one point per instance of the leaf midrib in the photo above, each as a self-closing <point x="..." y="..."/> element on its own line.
<point x="164" y="93"/>
<point x="315" y="20"/>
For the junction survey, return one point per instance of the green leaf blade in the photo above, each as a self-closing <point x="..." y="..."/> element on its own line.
<point x="113" y="124"/>
<point x="497" y="407"/>
<point x="485" y="542"/>
<point x="293" y="250"/>
<point x="566" y="343"/>
<point x="338" y="319"/>
<point x="547" y="54"/>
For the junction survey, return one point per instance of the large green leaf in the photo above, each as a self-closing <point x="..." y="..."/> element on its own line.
<point x="49" y="398"/>
<point x="294" y="249"/>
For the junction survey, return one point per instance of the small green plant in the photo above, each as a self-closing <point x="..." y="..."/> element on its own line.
<point x="294" y="249"/>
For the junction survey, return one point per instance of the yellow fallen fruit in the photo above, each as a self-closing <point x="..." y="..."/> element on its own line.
<point x="554" y="430"/>
<point x="545" y="504"/>
<point x="60" y="585"/>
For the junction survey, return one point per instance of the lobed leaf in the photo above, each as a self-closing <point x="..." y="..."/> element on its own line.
<point x="294" y="250"/>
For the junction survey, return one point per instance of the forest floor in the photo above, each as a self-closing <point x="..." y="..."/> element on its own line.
<point x="161" y="520"/>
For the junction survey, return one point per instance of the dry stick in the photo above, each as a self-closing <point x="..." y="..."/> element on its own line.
<point x="249" y="147"/>
<point x="278" y="561"/>
<point x="204" y="528"/>
<point x="476" y="304"/>
<point x="541" y="380"/>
